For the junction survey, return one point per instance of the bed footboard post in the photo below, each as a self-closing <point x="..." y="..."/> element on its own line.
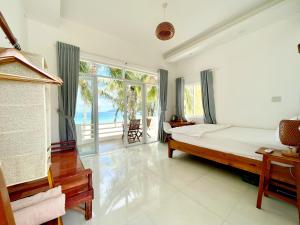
<point x="170" y="150"/>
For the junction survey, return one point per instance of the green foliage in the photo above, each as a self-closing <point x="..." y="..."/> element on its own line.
<point x="193" y="100"/>
<point x="84" y="67"/>
<point x="114" y="90"/>
<point x="86" y="90"/>
<point x="188" y="101"/>
<point x="151" y="100"/>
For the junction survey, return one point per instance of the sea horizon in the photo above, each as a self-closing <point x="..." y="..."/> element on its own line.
<point x="104" y="117"/>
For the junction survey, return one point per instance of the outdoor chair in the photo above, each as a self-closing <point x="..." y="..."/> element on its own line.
<point x="134" y="132"/>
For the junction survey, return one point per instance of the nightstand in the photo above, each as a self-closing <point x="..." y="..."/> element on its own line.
<point x="277" y="158"/>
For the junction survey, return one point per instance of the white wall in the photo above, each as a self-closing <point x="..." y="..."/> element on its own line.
<point x="14" y="13"/>
<point x="42" y="39"/>
<point x="250" y="70"/>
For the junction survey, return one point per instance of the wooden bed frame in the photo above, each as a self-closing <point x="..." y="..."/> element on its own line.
<point x="279" y="173"/>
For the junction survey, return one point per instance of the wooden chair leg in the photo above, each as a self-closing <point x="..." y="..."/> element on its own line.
<point x="88" y="210"/>
<point x="137" y="136"/>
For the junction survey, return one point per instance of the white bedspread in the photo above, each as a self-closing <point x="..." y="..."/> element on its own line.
<point x="199" y="130"/>
<point x="239" y="141"/>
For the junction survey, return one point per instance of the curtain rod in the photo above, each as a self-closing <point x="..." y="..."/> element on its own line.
<point x="209" y="68"/>
<point x="9" y="34"/>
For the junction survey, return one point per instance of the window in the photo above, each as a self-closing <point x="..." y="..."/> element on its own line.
<point x="193" y="100"/>
<point x="98" y="69"/>
<point x="139" y="76"/>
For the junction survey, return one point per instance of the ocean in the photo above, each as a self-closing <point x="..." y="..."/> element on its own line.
<point x="104" y="117"/>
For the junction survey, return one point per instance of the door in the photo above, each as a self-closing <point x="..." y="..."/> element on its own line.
<point x="110" y="113"/>
<point x="85" y="116"/>
<point x="151" y="92"/>
<point x="134" y="116"/>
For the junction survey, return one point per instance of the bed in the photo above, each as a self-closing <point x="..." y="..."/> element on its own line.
<point x="229" y="145"/>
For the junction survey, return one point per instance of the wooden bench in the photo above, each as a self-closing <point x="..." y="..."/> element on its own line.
<point x="68" y="171"/>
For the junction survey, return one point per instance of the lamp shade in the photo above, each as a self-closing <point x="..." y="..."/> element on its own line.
<point x="289" y="133"/>
<point x="165" y="31"/>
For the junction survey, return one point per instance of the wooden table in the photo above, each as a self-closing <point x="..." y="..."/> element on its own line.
<point x="179" y="123"/>
<point x="276" y="156"/>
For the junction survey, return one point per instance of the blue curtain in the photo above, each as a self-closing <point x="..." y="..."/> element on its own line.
<point x="180" y="97"/>
<point x="163" y="94"/>
<point x="68" y="69"/>
<point x="208" y="100"/>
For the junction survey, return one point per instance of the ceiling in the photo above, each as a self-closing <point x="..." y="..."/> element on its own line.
<point x="136" y="20"/>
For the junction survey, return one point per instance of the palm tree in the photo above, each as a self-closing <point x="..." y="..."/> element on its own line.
<point x="114" y="90"/>
<point x="151" y="100"/>
<point x="86" y="90"/>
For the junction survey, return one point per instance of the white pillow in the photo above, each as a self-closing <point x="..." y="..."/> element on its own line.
<point x="277" y="139"/>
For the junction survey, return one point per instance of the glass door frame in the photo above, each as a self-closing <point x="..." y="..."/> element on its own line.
<point x="94" y="90"/>
<point x="125" y="115"/>
<point x="96" y="113"/>
<point x="94" y="80"/>
<point x="146" y="113"/>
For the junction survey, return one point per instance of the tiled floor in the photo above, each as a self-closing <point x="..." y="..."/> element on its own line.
<point x="108" y="146"/>
<point x="141" y="186"/>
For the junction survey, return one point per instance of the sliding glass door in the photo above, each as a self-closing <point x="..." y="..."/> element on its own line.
<point x="85" y="116"/>
<point x="116" y="108"/>
<point x="110" y="113"/>
<point x="134" y="116"/>
<point x="141" y="113"/>
<point x="151" y="92"/>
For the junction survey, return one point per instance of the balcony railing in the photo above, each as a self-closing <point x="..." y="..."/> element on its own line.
<point x="86" y="132"/>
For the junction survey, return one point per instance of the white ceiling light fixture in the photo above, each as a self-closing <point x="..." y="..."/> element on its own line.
<point x="165" y="30"/>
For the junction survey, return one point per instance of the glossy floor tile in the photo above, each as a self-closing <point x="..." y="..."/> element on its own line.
<point x="142" y="186"/>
